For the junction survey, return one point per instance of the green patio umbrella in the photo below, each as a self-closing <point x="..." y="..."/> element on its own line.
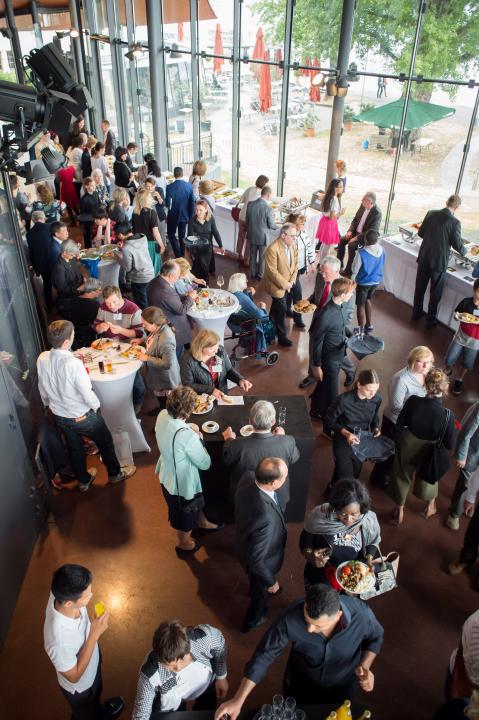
<point x="418" y="114"/>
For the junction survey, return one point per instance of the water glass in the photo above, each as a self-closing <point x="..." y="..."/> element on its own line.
<point x="277" y="712"/>
<point x="220" y="281"/>
<point x="281" y="415"/>
<point x="267" y="711"/>
<point x="278" y="701"/>
<point x="290" y="703"/>
<point x="288" y="714"/>
<point x="299" y="714"/>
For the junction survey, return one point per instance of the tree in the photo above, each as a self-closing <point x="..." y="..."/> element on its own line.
<point x="447" y="45"/>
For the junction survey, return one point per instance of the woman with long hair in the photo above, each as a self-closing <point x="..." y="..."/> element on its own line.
<point x="98" y="161"/>
<point x="47" y="202"/>
<point x="203" y="226"/>
<point x="145" y="222"/>
<point x="328" y="231"/>
<point x="197" y="173"/>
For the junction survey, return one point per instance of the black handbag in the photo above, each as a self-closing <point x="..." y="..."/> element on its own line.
<point x="197" y="502"/>
<point x="438" y="461"/>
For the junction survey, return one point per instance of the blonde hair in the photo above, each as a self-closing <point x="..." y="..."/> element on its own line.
<point x="45" y="194"/>
<point x="120" y="194"/>
<point x="204" y="339"/>
<point x="419" y="353"/>
<point x="91" y="142"/>
<point x="237" y="282"/>
<point x="436" y="382"/>
<point x="206" y="187"/>
<point x="203" y="203"/>
<point x="199" y="168"/>
<point x="184" y="266"/>
<point x="340" y="167"/>
<point x="143" y="200"/>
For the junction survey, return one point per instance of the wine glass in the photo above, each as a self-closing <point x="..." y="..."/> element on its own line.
<point x="220" y="281"/>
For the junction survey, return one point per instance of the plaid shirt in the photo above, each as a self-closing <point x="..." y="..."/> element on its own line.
<point x="207" y="646"/>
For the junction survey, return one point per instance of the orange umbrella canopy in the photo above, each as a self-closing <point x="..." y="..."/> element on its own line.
<point x="259" y="48"/>
<point x="218" y="50"/>
<point x="181" y="34"/>
<point x="265" y="99"/>
<point x="305" y="73"/>
<point x="314" y="90"/>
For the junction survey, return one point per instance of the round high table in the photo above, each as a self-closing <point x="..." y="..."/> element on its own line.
<point x="114" y="391"/>
<point x="214" y="317"/>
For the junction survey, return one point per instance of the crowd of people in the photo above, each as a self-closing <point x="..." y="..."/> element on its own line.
<point x="131" y="205"/>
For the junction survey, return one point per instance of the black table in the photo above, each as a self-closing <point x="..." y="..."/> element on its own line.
<point x="313" y="712"/>
<point x="216" y="480"/>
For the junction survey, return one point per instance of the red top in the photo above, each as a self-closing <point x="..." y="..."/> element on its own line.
<point x="68" y="193"/>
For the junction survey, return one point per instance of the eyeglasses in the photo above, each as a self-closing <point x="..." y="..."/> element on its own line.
<point x="346" y="515"/>
<point x="290" y="235"/>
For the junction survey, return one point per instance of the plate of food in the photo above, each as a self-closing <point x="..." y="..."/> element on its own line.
<point x="133" y="352"/>
<point x="355" y="577"/>
<point x="102" y="344"/>
<point x="468" y="318"/>
<point x="304" y="307"/>
<point x="474" y="251"/>
<point x="247" y="430"/>
<point x="203" y="404"/>
<point x="210" y="427"/>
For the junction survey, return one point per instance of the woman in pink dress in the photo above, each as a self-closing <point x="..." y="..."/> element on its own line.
<point x="68" y="193"/>
<point x="328" y="231"/>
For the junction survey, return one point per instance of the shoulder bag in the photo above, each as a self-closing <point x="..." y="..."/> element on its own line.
<point x="438" y="462"/>
<point x="235" y="212"/>
<point x="386" y="570"/>
<point x="196" y="503"/>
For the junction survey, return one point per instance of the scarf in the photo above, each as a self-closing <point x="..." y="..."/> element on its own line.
<point x="322" y="520"/>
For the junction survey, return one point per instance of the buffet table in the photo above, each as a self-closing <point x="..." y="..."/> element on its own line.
<point x="400" y="268"/>
<point x="114" y="391"/>
<point x="213" y="317"/>
<point x="297" y="423"/>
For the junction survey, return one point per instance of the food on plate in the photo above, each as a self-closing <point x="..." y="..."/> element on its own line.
<point x="203" y="293"/>
<point x="203" y="404"/>
<point x="223" y="301"/>
<point x="304" y="306"/>
<point x="355" y="576"/>
<point x="132" y="352"/>
<point x="293" y="203"/>
<point x="468" y="318"/>
<point x="102" y="344"/>
<point x="474" y="250"/>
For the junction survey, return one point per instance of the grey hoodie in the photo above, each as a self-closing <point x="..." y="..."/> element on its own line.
<point x="136" y="260"/>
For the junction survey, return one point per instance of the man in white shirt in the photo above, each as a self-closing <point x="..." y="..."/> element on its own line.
<point x="71" y="643"/>
<point x="65" y="388"/>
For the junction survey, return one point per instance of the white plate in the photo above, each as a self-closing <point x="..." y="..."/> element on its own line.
<point x="247" y="430"/>
<point x="367" y="586"/>
<point x="207" y="410"/>
<point x="210" y="427"/>
<point x="193" y="426"/>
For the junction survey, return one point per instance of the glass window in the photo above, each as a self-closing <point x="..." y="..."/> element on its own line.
<point x="468" y="213"/>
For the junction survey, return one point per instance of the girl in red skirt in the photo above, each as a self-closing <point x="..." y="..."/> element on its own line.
<point x="328" y="231"/>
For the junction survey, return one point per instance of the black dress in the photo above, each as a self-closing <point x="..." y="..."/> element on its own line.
<point x="203" y="257"/>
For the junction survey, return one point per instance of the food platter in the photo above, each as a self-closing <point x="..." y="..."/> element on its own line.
<point x="203" y="404"/>
<point x="103" y="344"/>
<point x="355" y="577"/>
<point x="132" y="352"/>
<point x="468" y="318"/>
<point x="304" y="307"/>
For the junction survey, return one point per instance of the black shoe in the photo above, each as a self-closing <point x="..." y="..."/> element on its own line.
<point x="112" y="707"/>
<point x="349" y="379"/>
<point x="300" y="325"/>
<point x="185" y="554"/>
<point x="251" y="626"/>
<point x="285" y="343"/>
<point x="306" y="381"/>
<point x="457" y="388"/>
<point x="431" y="323"/>
<point x="315" y="415"/>
<point x="200" y="532"/>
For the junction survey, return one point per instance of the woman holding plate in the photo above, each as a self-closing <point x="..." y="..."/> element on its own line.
<point x="206" y="367"/>
<point x="182" y="457"/>
<point x="343" y="529"/>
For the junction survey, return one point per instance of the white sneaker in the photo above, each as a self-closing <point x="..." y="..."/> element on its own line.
<point x="84" y="487"/>
<point x="452" y="523"/>
<point x="125" y="472"/>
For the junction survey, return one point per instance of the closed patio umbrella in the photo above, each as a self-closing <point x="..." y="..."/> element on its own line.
<point x="314" y="90"/>
<point x="419" y="114"/>
<point x="265" y="99"/>
<point x="181" y="34"/>
<point x="218" y="50"/>
<point x="259" y="48"/>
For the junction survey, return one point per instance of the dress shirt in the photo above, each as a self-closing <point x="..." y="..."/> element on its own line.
<point x="324" y="296"/>
<point x="349" y="411"/>
<point x="272" y="493"/>
<point x="362" y="222"/>
<point x="287" y="250"/>
<point x="324" y="661"/>
<point x="64" y="384"/>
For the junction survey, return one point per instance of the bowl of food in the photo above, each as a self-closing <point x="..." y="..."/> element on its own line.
<point x="304" y="307"/>
<point x="203" y="404"/>
<point x="355" y="577"/>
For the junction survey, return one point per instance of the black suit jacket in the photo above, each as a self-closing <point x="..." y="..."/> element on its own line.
<point x="373" y="222"/>
<point x="260" y="531"/>
<point x="244" y="454"/>
<point x="440" y="231"/>
<point x="40" y="241"/>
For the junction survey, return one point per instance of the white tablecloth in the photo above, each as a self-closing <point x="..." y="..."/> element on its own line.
<point x="114" y="391"/>
<point x="400" y="268"/>
<point x="215" y="318"/>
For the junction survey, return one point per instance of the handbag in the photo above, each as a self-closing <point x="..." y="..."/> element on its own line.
<point x="235" y="212"/>
<point x="438" y="462"/>
<point x="386" y="571"/>
<point x="197" y="502"/>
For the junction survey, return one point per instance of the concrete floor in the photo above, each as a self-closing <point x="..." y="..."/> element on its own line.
<point x="122" y="534"/>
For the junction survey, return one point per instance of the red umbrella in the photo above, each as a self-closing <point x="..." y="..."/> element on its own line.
<point x="265" y="99"/>
<point x="314" y="90"/>
<point x="181" y="35"/>
<point x="259" y="48"/>
<point x="218" y="50"/>
<point x="278" y="57"/>
<point x="305" y="73"/>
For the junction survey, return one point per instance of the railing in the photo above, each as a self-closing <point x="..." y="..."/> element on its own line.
<point x="182" y="153"/>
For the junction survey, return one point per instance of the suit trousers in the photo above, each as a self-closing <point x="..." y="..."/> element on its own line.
<point x="425" y="276"/>
<point x="326" y="391"/>
<point x="469" y="552"/>
<point x="256" y="261"/>
<point x="352" y="246"/>
<point x="177" y="243"/>
<point x="277" y="313"/>
<point x="294" y="296"/>
<point x="258" y="595"/>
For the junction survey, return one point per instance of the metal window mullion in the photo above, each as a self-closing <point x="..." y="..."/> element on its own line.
<point x="283" y="121"/>
<point x="37" y="30"/>
<point x="467" y="146"/>
<point x="95" y="67"/>
<point x="117" y="71"/>
<point x="130" y="28"/>
<point x="417" y="35"/>
<point x="235" y="126"/>
<point x="195" y="88"/>
<point x="159" y="100"/>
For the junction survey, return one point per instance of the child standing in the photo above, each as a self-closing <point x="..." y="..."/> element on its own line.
<point x="465" y="343"/>
<point x="367" y="269"/>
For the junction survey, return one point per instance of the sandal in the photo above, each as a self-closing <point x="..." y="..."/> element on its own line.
<point x="430" y="509"/>
<point x="398" y="515"/>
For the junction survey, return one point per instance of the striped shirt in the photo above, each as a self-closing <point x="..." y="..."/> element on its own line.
<point x="128" y="316"/>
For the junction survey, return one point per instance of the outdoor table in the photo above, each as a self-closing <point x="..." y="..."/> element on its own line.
<point x="114" y="391"/>
<point x="213" y="317"/>
<point x="215" y="481"/>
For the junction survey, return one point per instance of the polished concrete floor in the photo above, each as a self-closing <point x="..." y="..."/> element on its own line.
<point x="122" y="534"/>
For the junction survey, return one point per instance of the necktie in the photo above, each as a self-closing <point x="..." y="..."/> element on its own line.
<point x="275" y="497"/>
<point x="325" y="294"/>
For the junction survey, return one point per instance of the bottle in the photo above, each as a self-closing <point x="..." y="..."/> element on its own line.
<point x="332" y="715"/>
<point x="344" y="712"/>
<point x="366" y="715"/>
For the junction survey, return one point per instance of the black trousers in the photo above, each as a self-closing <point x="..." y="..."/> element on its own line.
<point x="423" y="278"/>
<point x="277" y="314"/>
<point x="201" y="261"/>
<point x="206" y="701"/>
<point x="326" y="391"/>
<point x="258" y="596"/>
<point x="86" y="705"/>
<point x="81" y="312"/>
<point x="294" y="295"/>
<point x="346" y="464"/>
<point x="352" y="246"/>
<point x="470" y="549"/>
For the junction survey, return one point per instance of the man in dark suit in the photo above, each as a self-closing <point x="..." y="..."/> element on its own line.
<point x="439" y="231"/>
<point x="368" y="217"/>
<point x="180" y="202"/>
<point x="260" y="534"/>
<point x="109" y="139"/>
<point x="243" y="454"/>
<point x="39" y="240"/>
<point x="161" y="293"/>
<point x="261" y="229"/>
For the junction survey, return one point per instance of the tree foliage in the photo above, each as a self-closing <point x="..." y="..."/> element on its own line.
<point x="448" y="45"/>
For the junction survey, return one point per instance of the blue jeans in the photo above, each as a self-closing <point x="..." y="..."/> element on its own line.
<point x="456" y="352"/>
<point x="94" y="427"/>
<point x="139" y="294"/>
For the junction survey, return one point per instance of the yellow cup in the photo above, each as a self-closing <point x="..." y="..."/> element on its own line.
<point x="99" y="609"/>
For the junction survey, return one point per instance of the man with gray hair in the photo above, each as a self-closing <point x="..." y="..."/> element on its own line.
<point x="244" y="453"/>
<point x="281" y="270"/>
<point x="368" y="217"/>
<point x="39" y="240"/>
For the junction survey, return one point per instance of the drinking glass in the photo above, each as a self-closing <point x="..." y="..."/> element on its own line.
<point x="277" y="712"/>
<point x="288" y="714"/>
<point x="357" y="432"/>
<point x="278" y="701"/>
<point x="220" y="281"/>
<point x="281" y="415"/>
<point x="267" y="711"/>
<point x="299" y="714"/>
<point x="290" y="703"/>
<point x="108" y="366"/>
